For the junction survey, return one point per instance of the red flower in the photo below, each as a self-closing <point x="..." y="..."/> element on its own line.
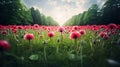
<point x="82" y="32"/>
<point x="74" y="35"/>
<point x="48" y="29"/>
<point x="104" y="35"/>
<point x="28" y="36"/>
<point x="36" y="25"/>
<point x="44" y="27"/>
<point x="20" y="27"/>
<point x="75" y="27"/>
<point x="3" y="32"/>
<point x="112" y="26"/>
<point x="51" y="34"/>
<point x="4" y="45"/>
<point x="60" y="29"/>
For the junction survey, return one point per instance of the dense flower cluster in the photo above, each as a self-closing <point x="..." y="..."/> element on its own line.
<point x="34" y="43"/>
<point x="74" y="32"/>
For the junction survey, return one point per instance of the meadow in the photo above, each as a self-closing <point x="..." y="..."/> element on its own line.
<point x="56" y="46"/>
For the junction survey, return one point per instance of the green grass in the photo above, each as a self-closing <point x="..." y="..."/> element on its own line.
<point x="95" y="50"/>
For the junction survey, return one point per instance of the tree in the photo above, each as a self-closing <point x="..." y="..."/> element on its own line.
<point x="13" y="12"/>
<point x="91" y="15"/>
<point x="41" y="19"/>
<point x="111" y="12"/>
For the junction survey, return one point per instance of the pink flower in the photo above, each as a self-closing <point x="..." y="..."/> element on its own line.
<point x="106" y="36"/>
<point x="74" y="35"/>
<point x="112" y="26"/>
<point x="28" y="36"/>
<point x="48" y="29"/>
<point x="4" y="45"/>
<point x="61" y="29"/>
<point x="75" y="28"/>
<point x="51" y="34"/>
<point x="82" y="32"/>
<point x="36" y="25"/>
<point x="3" y="32"/>
<point x="20" y="27"/>
<point x="103" y="35"/>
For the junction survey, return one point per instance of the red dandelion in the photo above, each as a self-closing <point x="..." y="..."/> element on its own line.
<point x="82" y="32"/>
<point x="4" y="45"/>
<point x="75" y="28"/>
<point x="112" y="26"/>
<point x="48" y="29"/>
<point x="74" y="35"/>
<point x="106" y="36"/>
<point x="3" y="32"/>
<point x="103" y="35"/>
<point x="36" y="25"/>
<point x="20" y="27"/>
<point x="60" y="29"/>
<point x="51" y="34"/>
<point x="28" y="36"/>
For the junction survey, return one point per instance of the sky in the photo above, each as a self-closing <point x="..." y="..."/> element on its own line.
<point x="62" y="10"/>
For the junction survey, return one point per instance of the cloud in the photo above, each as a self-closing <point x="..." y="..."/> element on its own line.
<point x="52" y="2"/>
<point x="62" y="10"/>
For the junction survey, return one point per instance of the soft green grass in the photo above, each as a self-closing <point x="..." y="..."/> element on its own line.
<point x="59" y="54"/>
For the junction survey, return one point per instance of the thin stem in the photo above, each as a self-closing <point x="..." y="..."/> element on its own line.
<point x="45" y="53"/>
<point x="3" y="37"/>
<point x="30" y="46"/>
<point x="50" y="39"/>
<point x="29" y="42"/>
<point x="81" y="57"/>
<point x="61" y="37"/>
<point x="57" y="49"/>
<point x="76" y="48"/>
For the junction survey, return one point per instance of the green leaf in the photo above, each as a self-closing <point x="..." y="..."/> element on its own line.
<point x="71" y="56"/>
<point x="34" y="57"/>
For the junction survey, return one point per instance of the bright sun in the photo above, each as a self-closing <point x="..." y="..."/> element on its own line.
<point x="60" y="17"/>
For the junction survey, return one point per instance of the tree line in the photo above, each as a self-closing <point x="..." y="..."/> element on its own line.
<point x="15" y="12"/>
<point x="108" y="13"/>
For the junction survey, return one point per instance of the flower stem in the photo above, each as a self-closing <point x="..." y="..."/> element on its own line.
<point x="50" y="39"/>
<point x="45" y="57"/>
<point x="30" y="46"/>
<point x="81" y="57"/>
<point x="76" y="48"/>
<point x="61" y="37"/>
<point x="57" y="49"/>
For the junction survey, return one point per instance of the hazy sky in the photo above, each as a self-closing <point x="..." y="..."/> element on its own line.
<point x="61" y="10"/>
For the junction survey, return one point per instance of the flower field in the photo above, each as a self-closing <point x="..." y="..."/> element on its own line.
<point x="54" y="46"/>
